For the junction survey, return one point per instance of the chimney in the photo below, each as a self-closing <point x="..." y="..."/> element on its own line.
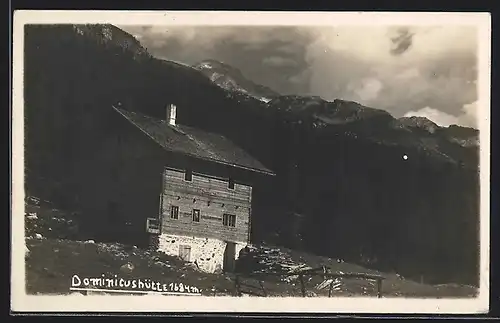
<point x="171" y="114"/>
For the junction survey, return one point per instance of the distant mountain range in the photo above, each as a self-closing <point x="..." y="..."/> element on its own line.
<point x="342" y="186"/>
<point x="422" y="131"/>
<point x="330" y="113"/>
<point x="231" y="79"/>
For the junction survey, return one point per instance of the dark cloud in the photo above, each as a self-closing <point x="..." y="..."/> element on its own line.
<point x="402" y="41"/>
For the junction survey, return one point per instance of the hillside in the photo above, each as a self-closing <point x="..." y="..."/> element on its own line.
<point x="342" y="188"/>
<point x="56" y="250"/>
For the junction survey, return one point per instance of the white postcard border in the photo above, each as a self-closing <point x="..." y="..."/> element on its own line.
<point x="20" y="301"/>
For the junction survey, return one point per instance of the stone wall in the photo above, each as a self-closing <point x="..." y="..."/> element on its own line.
<point x="207" y="253"/>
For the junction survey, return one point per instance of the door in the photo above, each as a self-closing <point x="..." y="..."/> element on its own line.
<point x="185" y="252"/>
<point x="229" y="257"/>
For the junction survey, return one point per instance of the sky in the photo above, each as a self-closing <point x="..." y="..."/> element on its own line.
<point x="428" y="71"/>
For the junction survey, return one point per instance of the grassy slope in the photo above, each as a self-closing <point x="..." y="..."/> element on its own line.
<point x="60" y="252"/>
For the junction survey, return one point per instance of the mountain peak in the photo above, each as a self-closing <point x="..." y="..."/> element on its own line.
<point x="232" y="79"/>
<point x="419" y="123"/>
<point x="212" y="63"/>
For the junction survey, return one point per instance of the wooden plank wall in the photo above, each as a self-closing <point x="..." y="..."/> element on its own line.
<point x="213" y="198"/>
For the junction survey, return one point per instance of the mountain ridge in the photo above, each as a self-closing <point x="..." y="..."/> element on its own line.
<point x="346" y="111"/>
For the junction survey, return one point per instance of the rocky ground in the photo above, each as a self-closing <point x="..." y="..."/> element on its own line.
<point x="55" y="251"/>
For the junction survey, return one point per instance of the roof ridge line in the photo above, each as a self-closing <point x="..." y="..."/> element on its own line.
<point x="263" y="170"/>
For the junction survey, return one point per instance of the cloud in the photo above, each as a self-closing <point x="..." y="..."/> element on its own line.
<point x="209" y="37"/>
<point x="467" y="117"/>
<point x="366" y="89"/>
<point x="434" y="66"/>
<point x="408" y="74"/>
<point x="402" y="41"/>
<point x="440" y="118"/>
<point x="279" y="61"/>
<point x="270" y="56"/>
<point x="396" y="68"/>
<point x="470" y="115"/>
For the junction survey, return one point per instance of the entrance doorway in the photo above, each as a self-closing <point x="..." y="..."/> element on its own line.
<point x="185" y="252"/>
<point x="229" y="257"/>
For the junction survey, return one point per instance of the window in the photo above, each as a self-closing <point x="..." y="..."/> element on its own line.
<point x="229" y="220"/>
<point x="231" y="184"/>
<point x="174" y="212"/>
<point x="188" y="176"/>
<point x="196" y="215"/>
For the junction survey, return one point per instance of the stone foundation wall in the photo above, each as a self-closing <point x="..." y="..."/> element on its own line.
<point x="207" y="253"/>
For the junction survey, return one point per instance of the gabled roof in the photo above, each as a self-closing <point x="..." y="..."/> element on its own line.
<point x="194" y="142"/>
